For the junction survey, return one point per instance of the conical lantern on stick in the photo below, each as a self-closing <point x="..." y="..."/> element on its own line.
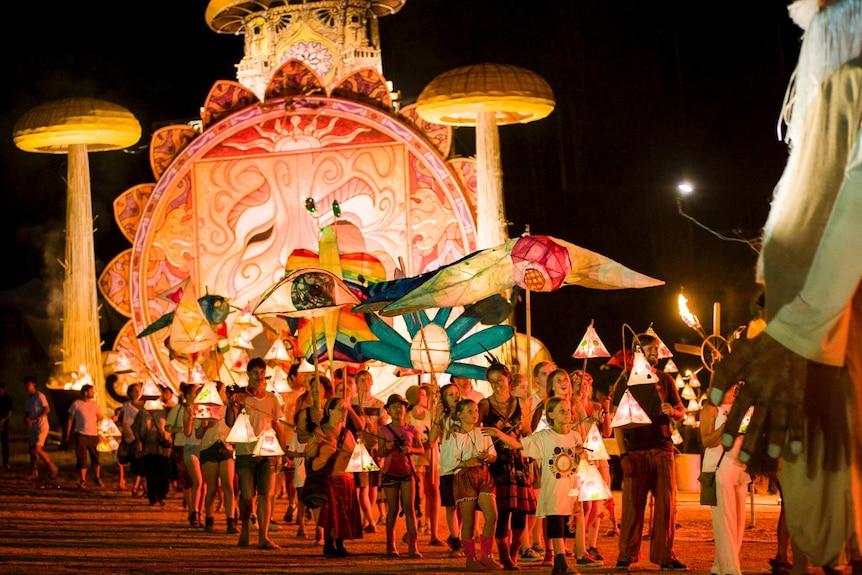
<point x="277" y="353"/>
<point x="268" y="444"/>
<point x="242" y="431"/>
<point x="642" y="372"/>
<point x="594" y="444"/>
<point x="153" y="405"/>
<point x="687" y="392"/>
<point x="591" y="346"/>
<point x="670" y="367"/>
<point x="149" y="390"/>
<point x="278" y="380"/>
<point x="693" y="381"/>
<point x="197" y="375"/>
<point x="663" y="350"/>
<point x="629" y="413"/>
<point x="108" y="435"/>
<point x="361" y="460"/>
<point x="591" y="485"/>
<point x="209" y="395"/>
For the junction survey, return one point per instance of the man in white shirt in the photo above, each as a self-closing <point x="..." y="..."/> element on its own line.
<point x="84" y="417"/>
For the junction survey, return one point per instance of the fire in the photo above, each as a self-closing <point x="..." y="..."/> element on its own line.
<point x="687" y="317"/>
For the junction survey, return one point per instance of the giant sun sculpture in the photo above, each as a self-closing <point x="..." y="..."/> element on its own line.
<point x="227" y="206"/>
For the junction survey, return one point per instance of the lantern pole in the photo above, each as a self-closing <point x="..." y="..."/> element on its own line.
<point x="529" y="328"/>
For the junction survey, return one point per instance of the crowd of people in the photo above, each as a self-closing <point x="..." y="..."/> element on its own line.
<point x="492" y="478"/>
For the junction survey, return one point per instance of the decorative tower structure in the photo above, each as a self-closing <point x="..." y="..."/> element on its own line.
<point x="332" y="37"/>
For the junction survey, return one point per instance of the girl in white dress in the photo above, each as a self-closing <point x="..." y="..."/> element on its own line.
<point x="559" y="449"/>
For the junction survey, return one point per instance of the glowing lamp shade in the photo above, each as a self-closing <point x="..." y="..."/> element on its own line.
<point x="153" y="405"/>
<point x="209" y="395"/>
<point x="242" y="431"/>
<point x="242" y="340"/>
<point x="591" y="345"/>
<point x="430" y="349"/>
<point x="149" y="390"/>
<point x="642" y="372"/>
<point x="107" y="428"/>
<point x="277" y="352"/>
<point x="629" y="413"/>
<point x="592" y="486"/>
<point x="107" y="445"/>
<point x="693" y="381"/>
<point x="268" y="444"/>
<point x="197" y="376"/>
<point x="361" y="460"/>
<point x="236" y="359"/>
<point x="663" y="350"/>
<point x="680" y="382"/>
<point x="279" y="380"/>
<point x="595" y="445"/>
<point x="206" y="411"/>
<point x="670" y="367"/>
<point x="305" y="367"/>
<point x="693" y="405"/>
<point x="687" y="392"/>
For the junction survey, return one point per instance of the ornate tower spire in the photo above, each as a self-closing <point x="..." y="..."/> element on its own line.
<point x="333" y="37"/>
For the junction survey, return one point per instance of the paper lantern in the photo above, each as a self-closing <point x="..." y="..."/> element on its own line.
<point x="591" y="485"/>
<point x="680" y="382"/>
<point x="595" y="445"/>
<point x="278" y="380"/>
<point x="430" y="349"/>
<point x="693" y="380"/>
<point x="242" y="340"/>
<point x="361" y="460"/>
<point x="268" y="444"/>
<point x="206" y="411"/>
<point x="591" y="345"/>
<point x="209" y="395"/>
<point x="663" y="350"/>
<point x="149" y="390"/>
<point x="236" y="359"/>
<point x="107" y="428"/>
<point x="670" y="367"/>
<point x="693" y="405"/>
<point x="687" y="392"/>
<point x="153" y="405"/>
<point x="278" y="353"/>
<point x="642" y="372"/>
<point x="629" y="413"/>
<point x="245" y="317"/>
<point x="242" y="431"/>
<point x="197" y="375"/>
<point x="107" y="445"/>
<point x="676" y="437"/>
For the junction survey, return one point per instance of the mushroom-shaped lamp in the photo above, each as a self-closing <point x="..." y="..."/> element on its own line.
<point x="76" y="126"/>
<point x="487" y="96"/>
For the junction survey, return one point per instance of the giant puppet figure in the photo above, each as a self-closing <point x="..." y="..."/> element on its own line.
<point x="803" y="374"/>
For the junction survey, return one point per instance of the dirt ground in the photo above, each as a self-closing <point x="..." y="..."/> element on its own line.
<point x="102" y="530"/>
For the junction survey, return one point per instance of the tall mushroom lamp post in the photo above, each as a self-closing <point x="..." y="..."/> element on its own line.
<point x="77" y="126"/>
<point x="487" y="96"/>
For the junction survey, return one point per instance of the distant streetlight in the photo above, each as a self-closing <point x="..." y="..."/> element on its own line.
<point x="686" y="189"/>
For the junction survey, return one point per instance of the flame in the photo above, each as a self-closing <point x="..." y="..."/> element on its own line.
<point x="687" y="317"/>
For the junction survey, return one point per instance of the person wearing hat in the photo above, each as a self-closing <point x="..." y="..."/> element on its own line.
<point x="84" y="417"/>
<point x="398" y="442"/>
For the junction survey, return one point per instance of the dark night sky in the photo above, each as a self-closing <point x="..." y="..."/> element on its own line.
<point x="648" y="94"/>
